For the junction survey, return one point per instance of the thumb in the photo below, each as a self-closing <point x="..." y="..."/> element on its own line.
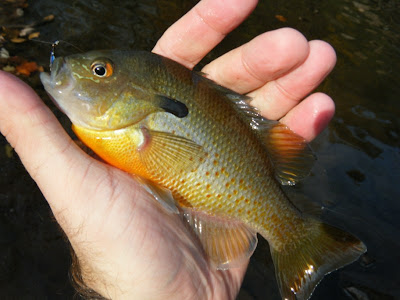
<point x="63" y="172"/>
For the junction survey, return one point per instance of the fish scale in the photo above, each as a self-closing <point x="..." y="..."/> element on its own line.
<point x="231" y="204"/>
<point x="222" y="162"/>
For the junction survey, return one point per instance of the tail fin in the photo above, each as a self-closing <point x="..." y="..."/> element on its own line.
<point x="300" y="266"/>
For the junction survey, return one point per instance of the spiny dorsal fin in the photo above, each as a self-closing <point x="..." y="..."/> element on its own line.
<point x="240" y="100"/>
<point x="165" y="152"/>
<point x="228" y="243"/>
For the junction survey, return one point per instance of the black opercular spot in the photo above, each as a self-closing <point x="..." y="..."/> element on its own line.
<point x="174" y="107"/>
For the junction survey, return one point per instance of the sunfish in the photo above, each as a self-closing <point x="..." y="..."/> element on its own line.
<point x="205" y="153"/>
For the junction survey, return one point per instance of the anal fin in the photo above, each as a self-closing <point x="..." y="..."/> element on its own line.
<point x="228" y="243"/>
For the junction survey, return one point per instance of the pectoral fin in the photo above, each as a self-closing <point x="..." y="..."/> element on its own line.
<point x="228" y="243"/>
<point x="165" y="152"/>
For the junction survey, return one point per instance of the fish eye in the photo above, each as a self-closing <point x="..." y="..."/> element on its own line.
<point x="102" y="69"/>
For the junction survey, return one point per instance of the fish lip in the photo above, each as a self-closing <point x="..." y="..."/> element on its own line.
<point x="59" y="78"/>
<point x="58" y="81"/>
<point x="57" y="65"/>
<point x="59" y="68"/>
<point x="55" y="69"/>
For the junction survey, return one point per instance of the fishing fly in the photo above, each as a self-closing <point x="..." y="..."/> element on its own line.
<point x="53" y="48"/>
<point x="52" y="53"/>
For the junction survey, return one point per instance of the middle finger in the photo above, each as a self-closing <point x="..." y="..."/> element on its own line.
<point x="263" y="59"/>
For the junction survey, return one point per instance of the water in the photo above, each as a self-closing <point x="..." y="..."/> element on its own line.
<point x="358" y="170"/>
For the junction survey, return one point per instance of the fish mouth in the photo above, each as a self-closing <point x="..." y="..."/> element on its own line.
<point x="57" y="65"/>
<point x="59" y="76"/>
<point x="58" y="82"/>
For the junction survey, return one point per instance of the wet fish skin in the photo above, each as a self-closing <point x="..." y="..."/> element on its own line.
<point x="222" y="162"/>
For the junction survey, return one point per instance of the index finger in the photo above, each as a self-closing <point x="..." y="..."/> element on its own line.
<point x="189" y="39"/>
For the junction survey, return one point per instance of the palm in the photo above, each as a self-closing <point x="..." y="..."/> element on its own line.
<point x="162" y="252"/>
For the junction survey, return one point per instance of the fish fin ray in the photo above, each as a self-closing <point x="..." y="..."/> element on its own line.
<point x="290" y="154"/>
<point x="301" y="265"/>
<point x="166" y="152"/>
<point x="160" y="194"/>
<point x="241" y="101"/>
<point x="228" y="243"/>
<point x="306" y="206"/>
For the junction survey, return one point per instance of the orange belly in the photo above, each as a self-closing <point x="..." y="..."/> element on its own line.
<point x="117" y="147"/>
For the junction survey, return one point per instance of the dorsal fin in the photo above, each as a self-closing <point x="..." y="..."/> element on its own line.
<point x="291" y="155"/>
<point x="289" y="152"/>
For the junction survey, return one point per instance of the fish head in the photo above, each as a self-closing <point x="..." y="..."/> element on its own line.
<point x="93" y="90"/>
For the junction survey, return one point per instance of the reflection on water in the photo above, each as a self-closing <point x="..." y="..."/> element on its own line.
<point x="355" y="179"/>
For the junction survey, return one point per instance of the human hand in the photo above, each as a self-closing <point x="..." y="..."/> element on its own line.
<point x="278" y="69"/>
<point x="129" y="247"/>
